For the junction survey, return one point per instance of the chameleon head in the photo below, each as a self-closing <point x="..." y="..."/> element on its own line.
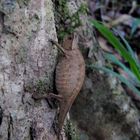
<point x="70" y="42"/>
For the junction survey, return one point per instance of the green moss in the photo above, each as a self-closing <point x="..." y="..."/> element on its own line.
<point x="40" y="86"/>
<point x="23" y="2"/>
<point x="71" y="131"/>
<point x="22" y="55"/>
<point x="67" y="23"/>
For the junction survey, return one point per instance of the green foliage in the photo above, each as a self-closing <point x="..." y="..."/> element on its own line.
<point x="71" y="131"/>
<point x="133" y="73"/>
<point x="39" y="86"/>
<point x="23" y="2"/>
<point x="120" y="77"/>
<point x="68" y="23"/>
<point x="113" y="59"/>
<point x="118" y="46"/>
<point x="135" y="24"/>
<point x="22" y="55"/>
<point x="83" y="9"/>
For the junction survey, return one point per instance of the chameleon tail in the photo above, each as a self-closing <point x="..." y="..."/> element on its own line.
<point x="64" y="108"/>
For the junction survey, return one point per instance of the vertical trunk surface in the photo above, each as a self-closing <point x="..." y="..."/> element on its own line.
<point x="26" y="58"/>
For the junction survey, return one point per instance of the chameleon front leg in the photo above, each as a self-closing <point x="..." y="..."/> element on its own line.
<point x="59" y="46"/>
<point x="48" y="96"/>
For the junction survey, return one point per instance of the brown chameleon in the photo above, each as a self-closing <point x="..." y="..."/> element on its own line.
<point x="69" y="76"/>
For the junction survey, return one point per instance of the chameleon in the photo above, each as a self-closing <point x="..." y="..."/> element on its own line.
<point x="69" y="76"/>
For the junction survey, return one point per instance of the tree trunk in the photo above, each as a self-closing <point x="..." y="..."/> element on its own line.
<point x="26" y="60"/>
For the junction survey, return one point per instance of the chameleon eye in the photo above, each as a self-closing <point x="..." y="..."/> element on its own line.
<point x="70" y="38"/>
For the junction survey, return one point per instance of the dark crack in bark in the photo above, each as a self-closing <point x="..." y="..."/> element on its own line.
<point x="1" y="115"/>
<point x="2" y="20"/>
<point x="10" y="127"/>
<point x="31" y="133"/>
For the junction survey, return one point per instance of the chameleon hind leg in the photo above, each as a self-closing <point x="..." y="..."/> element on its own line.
<point x="47" y="96"/>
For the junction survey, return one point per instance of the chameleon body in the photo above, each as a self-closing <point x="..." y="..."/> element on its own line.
<point x="70" y="73"/>
<point x="69" y="77"/>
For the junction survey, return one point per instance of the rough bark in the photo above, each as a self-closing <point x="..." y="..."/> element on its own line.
<point x="26" y="57"/>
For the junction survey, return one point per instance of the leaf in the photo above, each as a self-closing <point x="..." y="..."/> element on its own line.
<point x="129" y="48"/>
<point x="135" y="24"/>
<point x="117" y="45"/>
<point x="133" y="79"/>
<point x="121" y="78"/>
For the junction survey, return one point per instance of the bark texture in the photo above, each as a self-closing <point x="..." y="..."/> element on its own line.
<point x="26" y="58"/>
